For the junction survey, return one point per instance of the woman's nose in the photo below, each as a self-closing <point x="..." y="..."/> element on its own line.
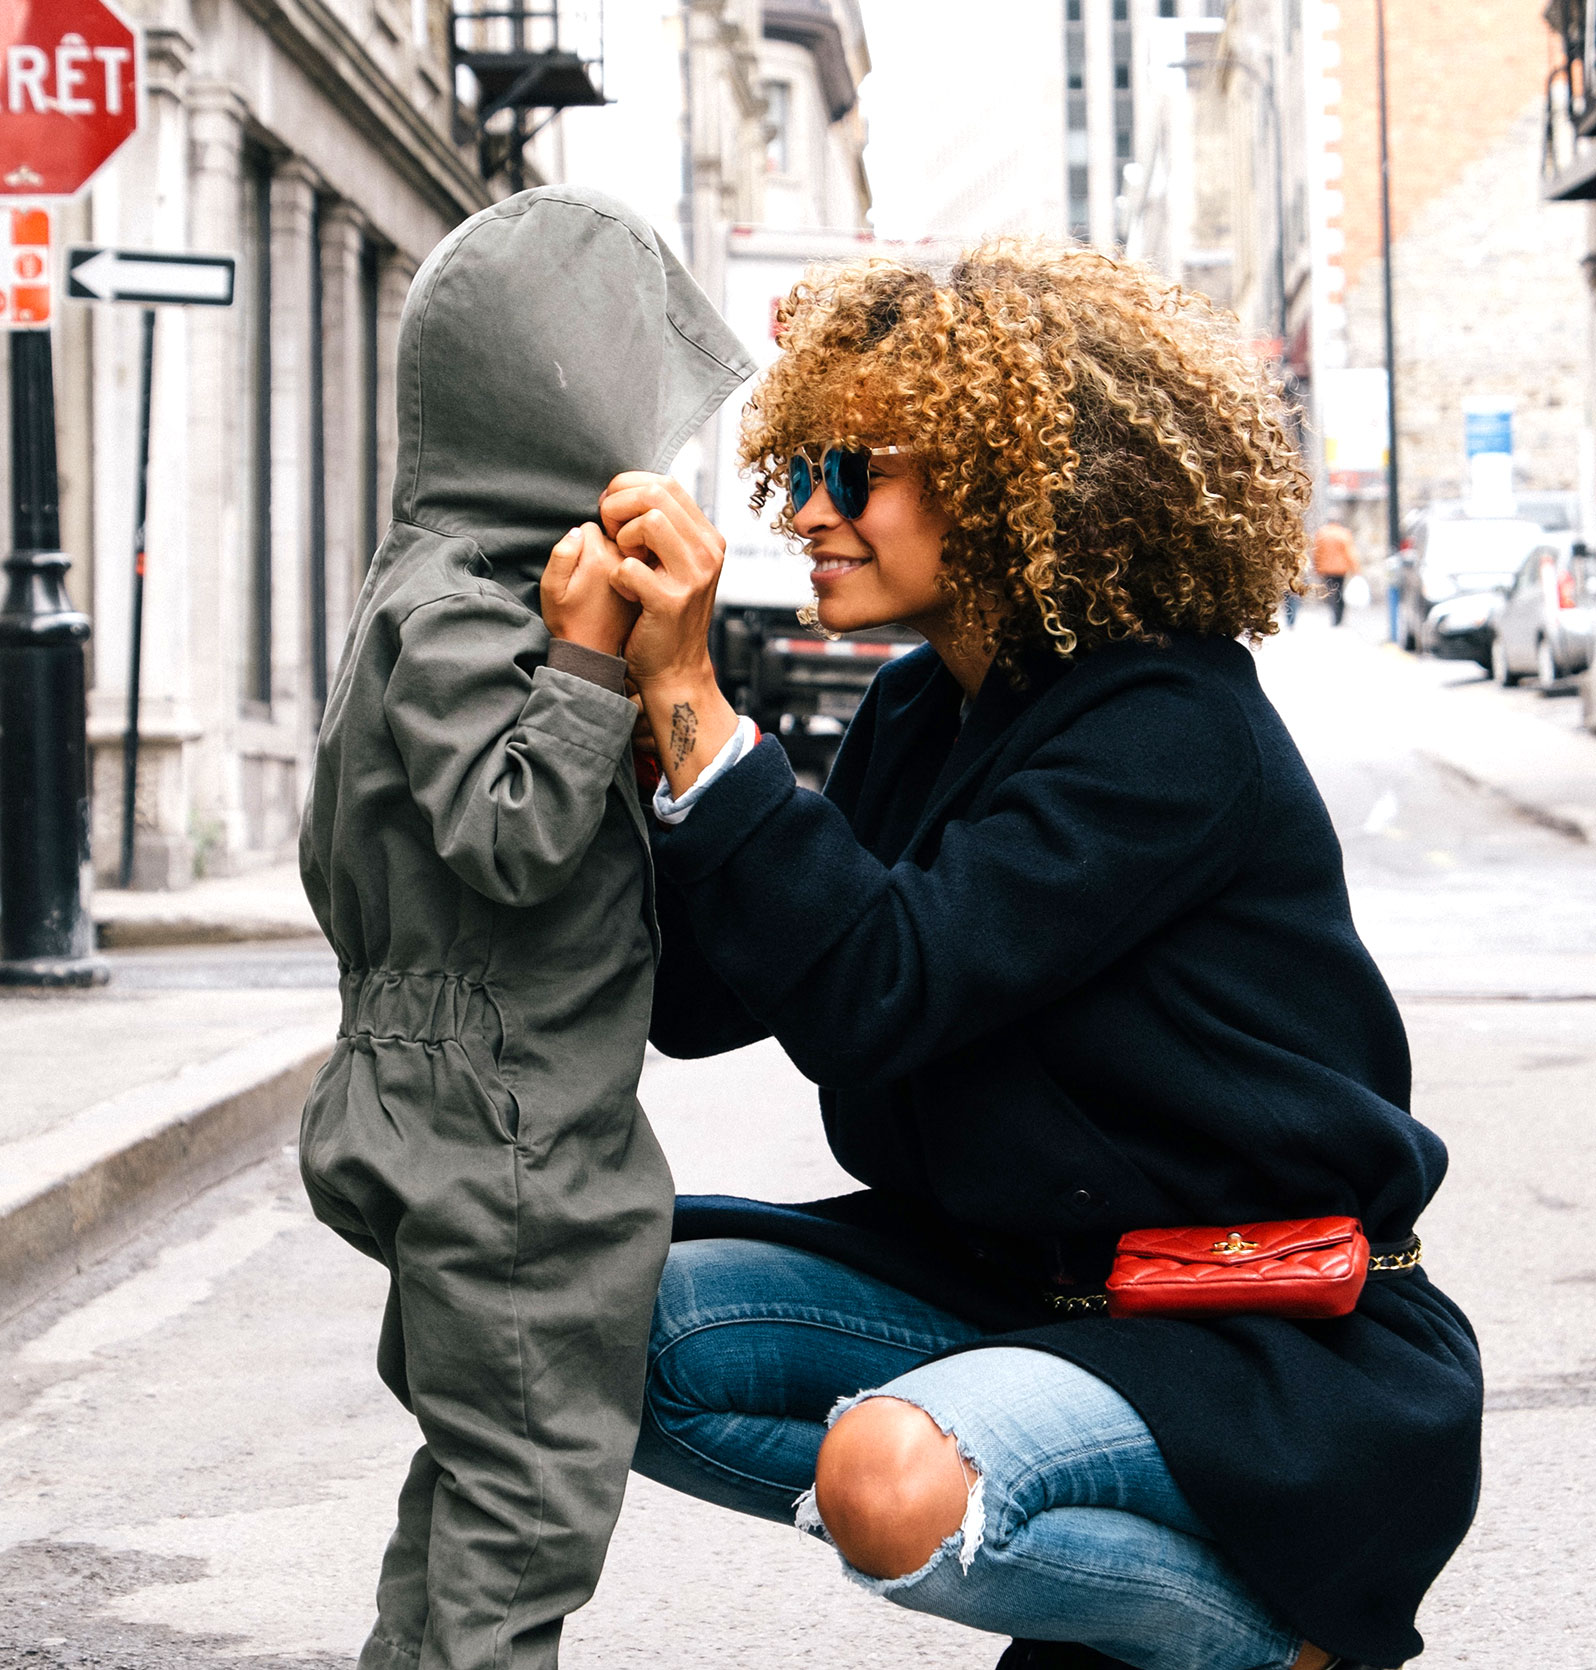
<point x="818" y="514"/>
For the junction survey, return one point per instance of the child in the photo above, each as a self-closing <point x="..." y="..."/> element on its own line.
<point x="475" y="852"/>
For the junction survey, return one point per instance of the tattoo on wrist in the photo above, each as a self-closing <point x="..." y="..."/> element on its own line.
<point x="684" y="731"/>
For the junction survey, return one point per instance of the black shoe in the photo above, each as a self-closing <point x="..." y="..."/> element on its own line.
<point x="1060" y="1655"/>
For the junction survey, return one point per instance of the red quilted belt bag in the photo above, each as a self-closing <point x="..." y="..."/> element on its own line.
<point x="1304" y="1267"/>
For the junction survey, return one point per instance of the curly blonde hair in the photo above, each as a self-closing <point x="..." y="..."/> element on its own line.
<point x="1116" y="462"/>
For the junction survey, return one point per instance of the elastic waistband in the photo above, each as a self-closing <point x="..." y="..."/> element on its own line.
<point x="397" y="1003"/>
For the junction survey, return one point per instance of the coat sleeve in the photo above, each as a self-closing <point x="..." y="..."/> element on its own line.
<point x="695" y="1012"/>
<point x="864" y="971"/>
<point x="508" y="760"/>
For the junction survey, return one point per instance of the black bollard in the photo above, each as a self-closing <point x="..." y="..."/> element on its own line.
<point x="46" y="937"/>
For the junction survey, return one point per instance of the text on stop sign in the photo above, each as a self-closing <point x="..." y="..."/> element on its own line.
<point x="76" y="80"/>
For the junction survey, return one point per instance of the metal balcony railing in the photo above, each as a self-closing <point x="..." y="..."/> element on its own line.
<point x="510" y="61"/>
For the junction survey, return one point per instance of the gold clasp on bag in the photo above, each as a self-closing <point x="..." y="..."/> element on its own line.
<point x="1235" y="1244"/>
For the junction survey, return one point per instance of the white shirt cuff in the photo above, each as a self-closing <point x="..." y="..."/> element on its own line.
<point x="669" y="810"/>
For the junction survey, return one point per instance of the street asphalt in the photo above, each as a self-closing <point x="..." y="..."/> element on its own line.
<point x="197" y="1464"/>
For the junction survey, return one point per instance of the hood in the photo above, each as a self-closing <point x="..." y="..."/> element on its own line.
<point x="548" y="343"/>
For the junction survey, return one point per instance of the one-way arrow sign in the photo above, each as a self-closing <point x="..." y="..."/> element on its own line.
<point x="143" y="275"/>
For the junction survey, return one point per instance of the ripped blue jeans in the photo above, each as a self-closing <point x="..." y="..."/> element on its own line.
<point x="1075" y="1530"/>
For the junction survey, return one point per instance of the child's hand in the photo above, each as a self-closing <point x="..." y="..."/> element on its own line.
<point x="578" y="602"/>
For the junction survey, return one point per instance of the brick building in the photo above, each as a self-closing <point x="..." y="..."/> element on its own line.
<point x="1489" y="301"/>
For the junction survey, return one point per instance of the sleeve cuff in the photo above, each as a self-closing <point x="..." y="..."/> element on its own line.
<point x="606" y="671"/>
<point x="742" y="741"/>
<point x="732" y="811"/>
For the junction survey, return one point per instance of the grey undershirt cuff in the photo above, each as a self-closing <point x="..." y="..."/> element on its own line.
<point x="606" y="671"/>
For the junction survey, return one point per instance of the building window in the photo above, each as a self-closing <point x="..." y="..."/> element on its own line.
<point x="1122" y="145"/>
<point x="370" y="509"/>
<point x="1122" y="11"/>
<point x="257" y="686"/>
<point x="1166" y="8"/>
<point x="1122" y="76"/>
<point x="778" y="127"/>
<point x="1072" y="11"/>
<point x="1075" y="64"/>
<point x="1080" y="202"/>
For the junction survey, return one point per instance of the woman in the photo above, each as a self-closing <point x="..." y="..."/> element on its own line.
<point x="1066" y="946"/>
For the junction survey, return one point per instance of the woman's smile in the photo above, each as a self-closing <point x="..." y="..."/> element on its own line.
<point x="834" y="568"/>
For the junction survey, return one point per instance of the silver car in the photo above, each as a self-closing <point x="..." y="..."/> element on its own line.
<point x="1448" y="554"/>
<point x="1546" y="622"/>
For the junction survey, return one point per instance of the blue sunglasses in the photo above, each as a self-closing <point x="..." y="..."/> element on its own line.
<point x="845" y="472"/>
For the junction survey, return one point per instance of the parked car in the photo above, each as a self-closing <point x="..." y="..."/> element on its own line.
<point x="1446" y="553"/>
<point x="1547" y="619"/>
<point x="1463" y="628"/>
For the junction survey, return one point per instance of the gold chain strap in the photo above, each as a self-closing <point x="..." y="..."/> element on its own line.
<point x="1399" y="1261"/>
<point x="1078" y="1304"/>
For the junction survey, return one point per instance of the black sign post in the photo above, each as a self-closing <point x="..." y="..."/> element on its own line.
<point x="169" y="279"/>
<point x="46" y="937"/>
<point x="135" y="658"/>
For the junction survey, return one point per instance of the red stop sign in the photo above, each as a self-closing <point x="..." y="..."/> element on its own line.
<point x="69" y="93"/>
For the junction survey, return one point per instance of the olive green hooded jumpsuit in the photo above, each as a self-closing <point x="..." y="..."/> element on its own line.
<point x="475" y="851"/>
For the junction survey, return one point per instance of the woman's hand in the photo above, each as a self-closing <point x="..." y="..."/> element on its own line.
<point x="577" y="597"/>
<point x="670" y="564"/>
<point x="671" y="556"/>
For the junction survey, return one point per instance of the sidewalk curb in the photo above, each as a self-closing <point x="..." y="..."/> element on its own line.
<point x="72" y="1193"/>
<point x="154" y="933"/>
<point x="1573" y="821"/>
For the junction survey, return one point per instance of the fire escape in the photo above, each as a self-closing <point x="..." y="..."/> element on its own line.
<point x="1568" y="165"/>
<point x="524" y="74"/>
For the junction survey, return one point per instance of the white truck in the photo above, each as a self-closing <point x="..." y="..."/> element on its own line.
<point x="796" y="684"/>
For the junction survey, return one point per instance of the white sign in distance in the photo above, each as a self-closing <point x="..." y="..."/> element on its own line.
<point x="150" y="276"/>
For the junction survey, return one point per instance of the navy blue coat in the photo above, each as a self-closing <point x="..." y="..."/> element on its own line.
<point x="1082" y="965"/>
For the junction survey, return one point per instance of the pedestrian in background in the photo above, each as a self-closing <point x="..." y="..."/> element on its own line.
<point x="1335" y="561"/>
<point x="1066" y="945"/>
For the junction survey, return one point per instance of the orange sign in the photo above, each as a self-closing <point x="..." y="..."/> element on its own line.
<point x="25" y="268"/>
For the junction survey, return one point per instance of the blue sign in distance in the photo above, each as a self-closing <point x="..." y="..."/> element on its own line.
<point x="1488" y="431"/>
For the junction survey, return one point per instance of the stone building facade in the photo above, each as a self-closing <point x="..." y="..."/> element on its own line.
<point x="1179" y="195"/>
<point x="1487" y="290"/>
<point x="311" y="141"/>
<point x="1487" y="282"/>
<point x="323" y="143"/>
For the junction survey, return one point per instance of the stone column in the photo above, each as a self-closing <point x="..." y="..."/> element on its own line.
<point x="144" y="200"/>
<point x="280" y="752"/>
<point x="393" y="285"/>
<point x="343" y="416"/>
<point x="221" y="512"/>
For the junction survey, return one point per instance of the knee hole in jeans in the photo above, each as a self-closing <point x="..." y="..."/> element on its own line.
<point x="891" y="1487"/>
